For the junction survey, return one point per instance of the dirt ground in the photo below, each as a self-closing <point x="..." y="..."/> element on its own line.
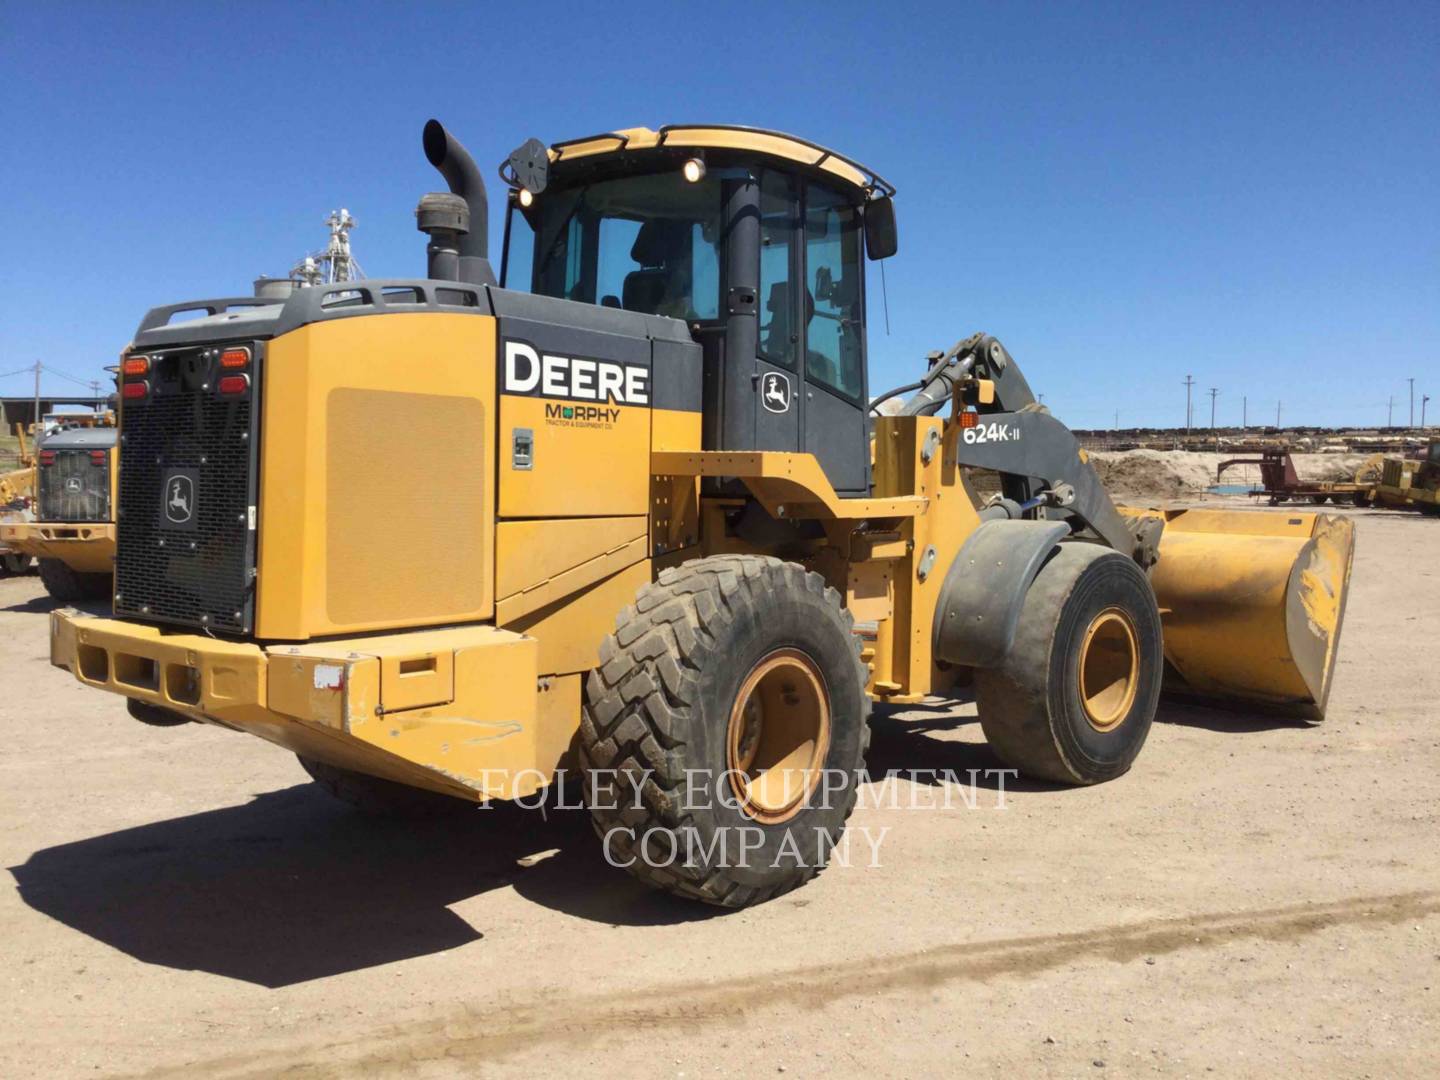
<point x="1254" y="896"/>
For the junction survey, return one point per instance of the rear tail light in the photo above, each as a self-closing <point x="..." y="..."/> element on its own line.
<point x="97" y="457"/>
<point x="136" y="390"/>
<point x="136" y="365"/>
<point x="234" y="384"/>
<point x="232" y="359"/>
<point x="47" y="457"/>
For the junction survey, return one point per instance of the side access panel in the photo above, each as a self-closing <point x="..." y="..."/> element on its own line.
<point x="574" y="421"/>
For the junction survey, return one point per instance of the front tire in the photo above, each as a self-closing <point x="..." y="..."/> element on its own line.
<point x="63" y="583"/>
<point x="730" y="709"/>
<point x="14" y="563"/>
<point x="1074" y="698"/>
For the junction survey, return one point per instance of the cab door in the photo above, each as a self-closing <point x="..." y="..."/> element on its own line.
<point x="777" y="376"/>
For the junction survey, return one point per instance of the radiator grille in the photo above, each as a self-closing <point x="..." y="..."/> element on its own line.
<point x="185" y="532"/>
<point x="74" y="488"/>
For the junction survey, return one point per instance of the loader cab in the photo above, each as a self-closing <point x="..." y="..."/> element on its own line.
<point x="755" y="240"/>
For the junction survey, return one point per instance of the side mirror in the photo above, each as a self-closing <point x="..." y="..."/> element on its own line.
<point x="881" y="240"/>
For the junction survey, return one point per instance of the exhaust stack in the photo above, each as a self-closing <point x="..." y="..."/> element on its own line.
<point x="471" y="246"/>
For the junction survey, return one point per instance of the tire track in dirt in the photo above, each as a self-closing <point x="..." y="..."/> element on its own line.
<point x="495" y="1032"/>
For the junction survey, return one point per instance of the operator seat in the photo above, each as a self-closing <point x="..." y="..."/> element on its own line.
<point x="656" y="246"/>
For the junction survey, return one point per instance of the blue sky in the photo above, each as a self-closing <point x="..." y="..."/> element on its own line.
<point x="1123" y="193"/>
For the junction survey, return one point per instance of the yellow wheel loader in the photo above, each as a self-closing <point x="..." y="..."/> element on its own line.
<point x="1411" y="485"/>
<point x="659" y="536"/>
<point x="67" y="525"/>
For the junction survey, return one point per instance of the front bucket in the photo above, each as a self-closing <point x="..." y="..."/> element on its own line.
<point x="1252" y="603"/>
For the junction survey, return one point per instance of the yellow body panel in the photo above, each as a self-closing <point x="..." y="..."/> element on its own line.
<point x="583" y="467"/>
<point x="571" y="630"/>
<point x="529" y="555"/>
<point x="904" y="664"/>
<point x="88" y="548"/>
<point x="352" y="438"/>
<point x="335" y="701"/>
<point x="788" y="485"/>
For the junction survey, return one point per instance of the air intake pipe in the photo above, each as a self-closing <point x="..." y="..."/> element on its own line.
<point x="454" y="163"/>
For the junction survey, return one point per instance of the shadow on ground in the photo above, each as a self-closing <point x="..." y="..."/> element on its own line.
<point x="45" y="603"/>
<point x="293" y="886"/>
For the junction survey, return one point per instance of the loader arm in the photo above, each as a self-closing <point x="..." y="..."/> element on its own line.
<point x="1020" y="440"/>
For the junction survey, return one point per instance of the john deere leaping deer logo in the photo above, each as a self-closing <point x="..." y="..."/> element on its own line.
<point x="775" y="392"/>
<point x="179" y="499"/>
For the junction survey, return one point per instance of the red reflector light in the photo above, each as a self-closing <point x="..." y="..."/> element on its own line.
<point x="234" y="384"/>
<point x="969" y="419"/>
<point x="235" y="358"/>
<point x="136" y="389"/>
<point x="137" y="365"/>
<point x="97" y="457"/>
<point x="47" y="457"/>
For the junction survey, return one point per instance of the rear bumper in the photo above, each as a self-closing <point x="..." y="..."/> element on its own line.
<point x="456" y="711"/>
<point x="88" y="547"/>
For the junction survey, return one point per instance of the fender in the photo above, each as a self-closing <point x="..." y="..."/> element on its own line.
<point x="984" y="589"/>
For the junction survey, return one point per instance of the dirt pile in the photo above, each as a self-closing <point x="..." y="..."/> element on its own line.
<point x="1169" y="474"/>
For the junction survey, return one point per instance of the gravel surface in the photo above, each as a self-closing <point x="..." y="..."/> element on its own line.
<point x="1254" y="897"/>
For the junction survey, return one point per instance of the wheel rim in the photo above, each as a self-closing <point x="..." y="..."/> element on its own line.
<point x="778" y="736"/>
<point x="1109" y="669"/>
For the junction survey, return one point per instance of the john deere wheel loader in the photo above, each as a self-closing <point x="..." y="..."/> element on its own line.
<point x="69" y="529"/>
<point x="659" y="535"/>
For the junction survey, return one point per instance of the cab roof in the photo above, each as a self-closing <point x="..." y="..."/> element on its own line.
<point x="728" y="137"/>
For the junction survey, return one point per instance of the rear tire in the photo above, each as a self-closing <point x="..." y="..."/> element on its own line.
<point x="1074" y="698"/>
<point x="380" y="798"/>
<point x="14" y="563"/>
<point x="732" y="696"/>
<point x="63" y="583"/>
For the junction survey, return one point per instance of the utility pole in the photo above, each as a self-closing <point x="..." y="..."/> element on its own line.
<point x="1277" y="414"/>
<point x="1213" y="434"/>
<point x="1117" y="419"/>
<point x="1412" y="402"/>
<point x="37" y="397"/>
<point x="1189" y="382"/>
<point x="1244" y="413"/>
<point x="1425" y="400"/>
<point x="1390" y="416"/>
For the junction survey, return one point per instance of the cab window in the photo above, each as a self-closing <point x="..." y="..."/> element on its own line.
<point x="779" y="224"/>
<point x="834" y="353"/>
<point x="645" y="243"/>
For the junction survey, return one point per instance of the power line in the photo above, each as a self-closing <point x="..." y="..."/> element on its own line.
<point x="66" y="375"/>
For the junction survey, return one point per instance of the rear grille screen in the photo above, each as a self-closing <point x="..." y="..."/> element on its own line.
<point x="185" y="532"/>
<point x="74" y="488"/>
